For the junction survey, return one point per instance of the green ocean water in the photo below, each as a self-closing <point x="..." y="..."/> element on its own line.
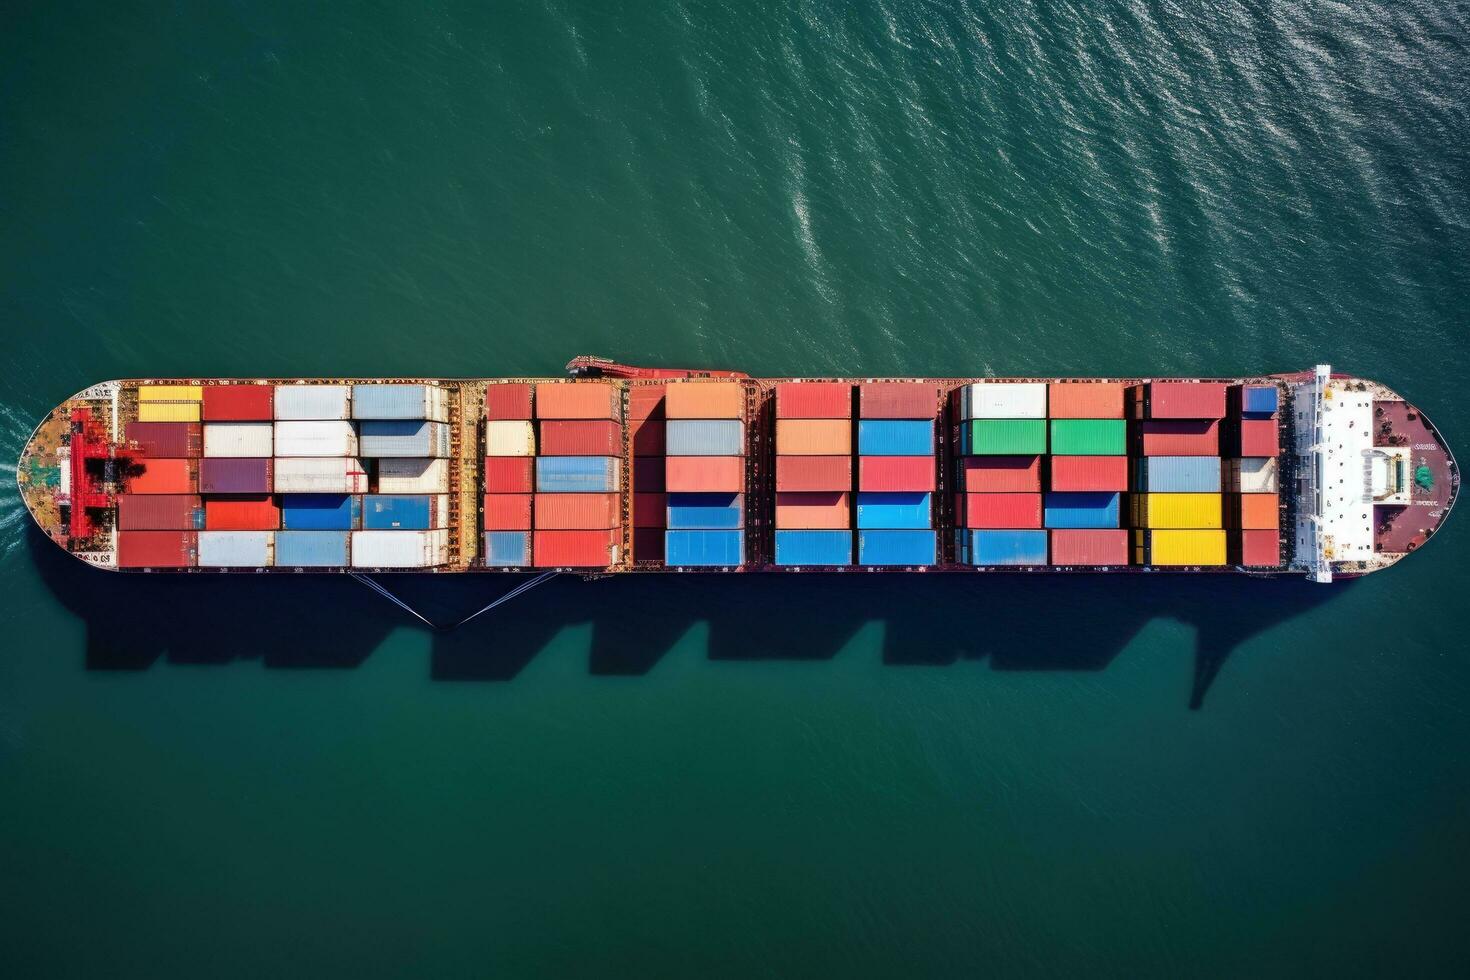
<point x="1010" y="777"/>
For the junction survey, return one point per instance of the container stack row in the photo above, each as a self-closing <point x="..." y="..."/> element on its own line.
<point x="814" y="474"/>
<point x="273" y="475"/>
<point x="998" y="503"/>
<point x="553" y="475"/>
<point x="1254" y="509"/>
<point x="1178" y="509"/>
<point x="704" y="474"/>
<point x="896" y="474"/>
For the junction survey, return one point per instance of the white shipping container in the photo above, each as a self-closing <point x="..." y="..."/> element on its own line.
<point x="335" y="475"/>
<point x="413" y="475"/>
<point x="1255" y="474"/>
<point x="238" y="439"/>
<point x="313" y="402"/>
<point x="400" y="401"/>
<point x="509" y="439"/>
<point x="1004" y="400"/>
<point x="236" y="549"/>
<point x="326" y="438"/>
<point x="400" y="549"/>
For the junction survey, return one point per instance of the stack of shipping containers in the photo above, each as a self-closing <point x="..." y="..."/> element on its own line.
<point x="646" y="426"/>
<point x="814" y="473"/>
<point x="1087" y="474"/>
<point x="1178" y="508"/>
<point x="704" y="474"/>
<point x="240" y="512"/>
<point x="896" y="474"/>
<point x="576" y="510"/>
<point x="404" y="428"/>
<point x="1254" y="509"/>
<point x="159" y="510"/>
<point x="998" y="503"/>
<point x="509" y="479"/>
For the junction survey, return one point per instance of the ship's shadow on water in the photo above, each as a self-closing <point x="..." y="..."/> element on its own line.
<point x="1017" y="622"/>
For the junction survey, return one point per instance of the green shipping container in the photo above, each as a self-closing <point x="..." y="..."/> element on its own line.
<point x="1004" y="437"/>
<point x="1089" y="437"/>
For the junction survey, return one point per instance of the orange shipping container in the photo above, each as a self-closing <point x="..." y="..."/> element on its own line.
<point x="164" y="476"/>
<point x="1085" y="400"/>
<point x="1260" y="511"/>
<point x="813" y="437"/>
<point x="258" y="513"/>
<point x="814" y="511"/>
<point x="705" y="400"/>
<point x="576" y="400"/>
<point x="577" y="511"/>
<point x="585" y="549"/>
<point x="507" y="512"/>
<point x="707" y="474"/>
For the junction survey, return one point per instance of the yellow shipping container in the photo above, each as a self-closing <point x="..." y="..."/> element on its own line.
<point x="813" y="437"/>
<point x="1184" y="510"/>
<point x="1187" y="547"/>
<point x="170" y="393"/>
<point x="168" y="412"/>
<point x="509" y="439"/>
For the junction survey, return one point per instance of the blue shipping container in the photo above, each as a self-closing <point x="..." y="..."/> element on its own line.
<point x="705" y="511"/>
<point x="399" y="512"/>
<point x="577" y="474"/>
<point x="1080" y="510"/>
<point x="1179" y="474"/>
<point x="704" y="437"/>
<point x="1002" y="547"/>
<point x="508" y="549"/>
<point x="696" y="549"/>
<point x="1259" y="399"/>
<point x="895" y="437"/>
<point x="795" y="547"/>
<point x="321" y="511"/>
<point x="896" y="547"/>
<point x="398" y="401"/>
<point x="377" y="438"/>
<point x="313" y="549"/>
<point x="893" y="510"/>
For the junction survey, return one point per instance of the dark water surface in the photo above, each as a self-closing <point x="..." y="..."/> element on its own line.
<point x="1014" y="777"/>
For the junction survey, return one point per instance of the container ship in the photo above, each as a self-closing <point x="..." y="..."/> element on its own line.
<point x="623" y="470"/>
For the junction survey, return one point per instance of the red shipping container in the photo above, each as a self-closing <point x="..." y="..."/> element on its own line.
<point x="646" y="402"/>
<point x="813" y="473"/>
<point x="649" y="509"/>
<point x="1085" y="399"/>
<point x="241" y="514"/>
<point x="813" y="400"/>
<point x="580" y="438"/>
<point x="577" y="511"/>
<point x="509" y="402"/>
<point x="647" y="437"/>
<point x="157" y="549"/>
<point x="1180" y="437"/>
<point x="159" y="512"/>
<point x="1089" y="472"/>
<point x="1089" y="547"/>
<point x="896" y="473"/>
<point x="648" y="474"/>
<point x="238" y="403"/>
<point x="898" y="400"/>
<point x="708" y="474"/>
<point x="174" y="440"/>
<point x="508" y="474"/>
<point x="1186" y="400"/>
<point x="507" y="512"/>
<point x="814" y="511"/>
<point x="576" y="400"/>
<point x="1259" y="437"/>
<point x="163" y="476"/>
<point x="579" y="549"/>
<point x="648" y="544"/>
<point x="1000" y="474"/>
<point x="1260" y="548"/>
<point x="1001" y="510"/>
